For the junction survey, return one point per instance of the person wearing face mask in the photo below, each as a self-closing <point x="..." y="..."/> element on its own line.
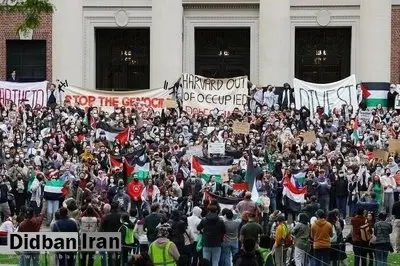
<point x="340" y="184"/>
<point x="389" y="184"/>
<point x="122" y="198"/>
<point x="391" y="96"/>
<point x="324" y="185"/>
<point x="135" y="189"/>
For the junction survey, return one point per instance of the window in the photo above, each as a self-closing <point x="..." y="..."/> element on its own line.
<point x="123" y="59"/>
<point x="27" y="58"/>
<point x="322" y="54"/>
<point x="222" y="52"/>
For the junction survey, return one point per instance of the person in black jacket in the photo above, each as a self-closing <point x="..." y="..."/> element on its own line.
<point x="248" y="255"/>
<point x="341" y="191"/>
<point x="391" y="96"/>
<point x="111" y="222"/>
<point x="213" y="229"/>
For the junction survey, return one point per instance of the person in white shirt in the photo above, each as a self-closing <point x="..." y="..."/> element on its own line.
<point x="6" y="228"/>
<point x="388" y="184"/>
<point x="193" y="221"/>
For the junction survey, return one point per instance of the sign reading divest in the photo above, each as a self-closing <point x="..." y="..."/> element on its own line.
<point x="107" y="100"/>
<point x="202" y="94"/>
<point x="34" y="92"/>
<point x="331" y="95"/>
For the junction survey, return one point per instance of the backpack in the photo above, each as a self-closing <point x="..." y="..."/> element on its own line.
<point x="365" y="233"/>
<point x="247" y="259"/>
<point x="287" y="237"/>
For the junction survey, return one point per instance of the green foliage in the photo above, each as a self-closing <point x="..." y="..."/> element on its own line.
<point x="31" y="9"/>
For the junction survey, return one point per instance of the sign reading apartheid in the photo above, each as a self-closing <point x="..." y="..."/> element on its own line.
<point x="33" y="93"/>
<point x="201" y="95"/>
<point x="108" y="100"/>
<point x="329" y="96"/>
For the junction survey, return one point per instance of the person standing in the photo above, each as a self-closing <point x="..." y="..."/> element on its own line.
<point x="324" y="185"/>
<point x="31" y="223"/>
<point x="64" y="224"/>
<point x="301" y="234"/>
<point x="281" y="233"/>
<point x="36" y="193"/>
<point x="193" y="221"/>
<point x="321" y="233"/>
<point x="52" y="194"/>
<point x="213" y="229"/>
<point x="135" y="189"/>
<point x="341" y="192"/>
<point x="246" y="205"/>
<point x="13" y="77"/>
<point x="230" y="246"/>
<point x="4" y="206"/>
<point x="150" y="194"/>
<point x="111" y="223"/>
<point x="358" y="244"/>
<point x="396" y="225"/>
<point x="389" y="184"/>
<point x="89" y="222"/>
<point x="151" y="222"/>
<point x="382" y="231"/>
<point x="162" y="251"/>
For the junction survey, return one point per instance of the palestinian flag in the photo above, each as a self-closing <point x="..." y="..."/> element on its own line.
<point x="117" y="162"/>
<point x="355" y="135"/>
<point x="112" y="133"/>
<point x="375" y="93"/>
<point x="207" y="167"/>
<point x="53" y="189"/>
<point x="293" y="191"/>
<point x="140" y="161"/>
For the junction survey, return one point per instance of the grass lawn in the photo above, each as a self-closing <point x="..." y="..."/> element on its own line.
<point x="394" y="259"/>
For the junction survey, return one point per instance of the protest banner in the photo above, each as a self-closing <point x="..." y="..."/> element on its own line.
<point x="309" y="137"/>
<point x="200" y="94"/>
<point x="216" y="148"/>
<point x="364" y="116"/>
<point x="193" y="151"/>
<point x="240" y="127"/>
<point x="381" y="155"/>
<point x="329" y="96"/>
<point x="33" y="93"/>
<point x="107" y="100"/>
<point x="394" y="145"/>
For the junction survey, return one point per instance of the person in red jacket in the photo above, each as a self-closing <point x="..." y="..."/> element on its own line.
<point x="135" y="189"/>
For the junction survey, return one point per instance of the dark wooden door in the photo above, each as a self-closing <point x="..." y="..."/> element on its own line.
<point x="222" y="52"/>
<point x="322" y="55"/>
<point x="123" y="58"/>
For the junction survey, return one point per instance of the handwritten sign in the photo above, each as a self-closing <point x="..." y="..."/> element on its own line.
<point x="364" y="116"/>
<point x="194" y="151"/>
<point x="381" y="155"/>
<point x="394" y="145"/>
<point x="216" y="148"/>
<point x="331" y="95"/>
<point x="170" y="103"/>
<point x="309" y="137"/>
<point x="241" y="127"/>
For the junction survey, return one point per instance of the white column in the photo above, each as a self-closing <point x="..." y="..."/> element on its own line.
<point x="68" y="41"/>
<point x="166" y="42"/>
<point x="375" y="40"/>
<point x="274" y="34"/>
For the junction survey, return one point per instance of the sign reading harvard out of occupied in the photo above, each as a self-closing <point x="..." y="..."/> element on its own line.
<point x="202" y="94"/>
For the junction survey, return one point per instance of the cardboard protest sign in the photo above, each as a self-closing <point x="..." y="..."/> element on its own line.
<point x="194" y="151"/>
<point x="330" y="96"/>
<point x="201" y="94"/>
<point x="364" y="116"/>
<point x="309" y="137"/>
<point x="240" y="127"/>
<point x="33" y="93"/>
<point x="381" y="155"/>
<point x="170" y="103"/>
<point x="216" y="148"/>
<point x="108" y="100"/>
<point x="394" y="145"/>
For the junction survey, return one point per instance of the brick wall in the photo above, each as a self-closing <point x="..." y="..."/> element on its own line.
<point x="8" y="31"/>
<point x="395" y="57"/>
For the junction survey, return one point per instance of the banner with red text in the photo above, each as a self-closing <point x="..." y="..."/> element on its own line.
<point x="108" y="100"/>
<point x="33" y="93"/>
<point x="202" y="95"/>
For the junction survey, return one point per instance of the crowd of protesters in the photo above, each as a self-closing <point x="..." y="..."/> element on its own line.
<point x="60" y="144"/>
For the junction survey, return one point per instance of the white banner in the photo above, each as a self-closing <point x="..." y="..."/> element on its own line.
<point x="329" y="96"/>
<point x="107" y="100"/>
<point x="200" y="94"/>
<point x="34" y="93"/>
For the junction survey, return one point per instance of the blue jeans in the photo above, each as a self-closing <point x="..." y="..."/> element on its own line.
<point x="272" y="204"/>
<point x="322" y="256"/>
<point x="323" y="201"/>
<point x="381" y="254"/>
<point x="212" y="254"/>
<point x="229" y="249"/>
<point x="341" y="205"/>
<point x="27" y="258"/>
<point x="52" y="207"/>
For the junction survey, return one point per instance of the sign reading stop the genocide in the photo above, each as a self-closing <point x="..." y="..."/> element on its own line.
<point x="108" y="100"/>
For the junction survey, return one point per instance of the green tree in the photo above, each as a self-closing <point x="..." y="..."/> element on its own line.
<point x="31" y="10"/>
